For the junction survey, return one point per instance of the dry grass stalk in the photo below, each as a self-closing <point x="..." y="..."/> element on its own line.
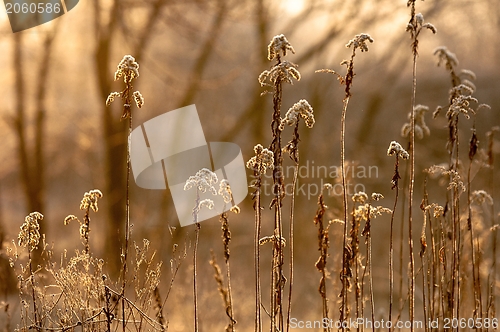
<point x="359" y="41"/>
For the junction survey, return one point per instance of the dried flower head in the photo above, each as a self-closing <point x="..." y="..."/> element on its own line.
<point x="455" y="181"/>
<point x="421" y="128"/>
<point x="29" y="236"/>
<point x="235" y="209"/>
<point x="419" y="20"/>
<point x="359" y="41"/>
<point x="285" y="71"/>
<point x="278" y="44"/>
<point x="301" y="109"/>
<point x="461" y="103"/>
<point x="360" y="197"/>
<point x="377" y="196"/>
<point x="139" y="99"/>
<point x="208" y="203"/>
<point x="112" y="96"/>
<point x="361" y="212"/>
<point x="446" y="57"/>
<point x="396" y="149"/>
<point x="480" y="197"/>
<point x="70" y="218"/>
<point x="128" y="68"/>
<point x="263" y="159"/>
<point x="203" y="180"/>
<point x="468" y="74"/>
<point x="89" y="200"/>
<point x="225" y="191"/>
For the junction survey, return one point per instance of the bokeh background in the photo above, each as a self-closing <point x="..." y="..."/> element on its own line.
<point x="58" y="140"/>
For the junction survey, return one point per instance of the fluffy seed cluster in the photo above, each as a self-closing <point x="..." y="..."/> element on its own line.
<point x="445" y="56"/>
<point x="139" y="99"/>
<point x="419" y="20"/>
<point x="90" y="199"/>
<point x="29" y="236"/>
<point x="285" y="71"/>
<point x="301" y="109"/>
<point x="421" y="128"/>
<point x="208" y="203"/>
<point x="128" y="68"/>
<point x="396" y="149"/>
<point x="263" y="159"/>
<point x="112" y="96"/>
<point x="360" y="197"/>
<point x="461" y="103"/>
<point x="203" y="180"/>
<point x="480" y="197"/>
<point x="361" y="212"/>
<point x="359" y="41"/>
<point x="225" y="190"/>
<point x="278" y="44"/>
<point x="455" y="181"/>
<point x="438" y="209"/>
<point x="377" y="196"/>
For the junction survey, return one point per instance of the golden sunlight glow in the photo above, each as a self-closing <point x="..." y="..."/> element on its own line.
<point x="293" y="7"/>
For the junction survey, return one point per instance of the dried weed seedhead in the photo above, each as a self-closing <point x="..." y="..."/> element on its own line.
<point x="301" y="109"/>
<point x="29" y="236"/>
<point x="415" y="26"/>
<point x="366" y="211"/>
<point x="461" y="103"/>
<point x="360" y="197"/>
<point x="359" y="41"/>
<point x="90" y="200"/>
<point x="447" y="57"/>
<point x="284" y="72"/>
<point x="263" y="159"/>
<point x="128" y="69"/>
<point x="279" y="44"/>
<point x="455" y="181"/>
<point x="396" y="149"/>
<point x="203" y="180"/>
<point x="480" y="197"/>
<point x="225" y="191"/>
<point x="421" y="128"/>
<point x="438" y="210"/>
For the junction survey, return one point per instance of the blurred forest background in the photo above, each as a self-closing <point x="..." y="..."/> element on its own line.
<point x="58" y="140"/>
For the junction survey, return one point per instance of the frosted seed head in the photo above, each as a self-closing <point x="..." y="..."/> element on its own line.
<point x="128" y="68"/>
<point x="444" y="55"/>
<point x="225" y="191"/>
<point x="396" y="149"/>
<point x="263" y="159"/>
<point x="360" y="197"/>
<point x="278" y="44"/>
<point x="139" y="99"/>
<point x="359" y="41"/>
<point x="301" y="109"/>
<point x="203" y="180"/>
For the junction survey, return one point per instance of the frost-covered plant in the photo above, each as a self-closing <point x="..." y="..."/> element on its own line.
<point x="358" y="42"/>
<point x="203" y="181"/>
